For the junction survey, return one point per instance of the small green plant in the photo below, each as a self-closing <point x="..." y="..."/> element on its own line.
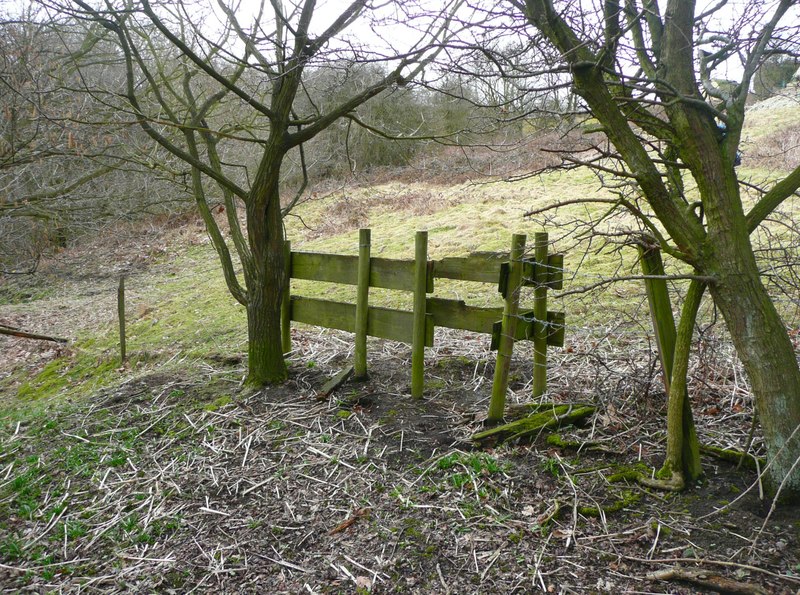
<point x="74" y="529"/>
<point x="118" y="459"/>
<point x="552" y="466"/>
<point x="448" y="462"/>
<point x="11" y="548"/>
<point x="459" y="480"/>
<point x="218" y="403"/>
<point x="130" y="523"/>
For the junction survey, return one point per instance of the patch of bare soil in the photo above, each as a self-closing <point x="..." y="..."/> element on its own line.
<point x="176" y="485"/>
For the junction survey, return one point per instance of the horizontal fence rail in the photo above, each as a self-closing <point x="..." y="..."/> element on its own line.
<point x="509" y="275"/>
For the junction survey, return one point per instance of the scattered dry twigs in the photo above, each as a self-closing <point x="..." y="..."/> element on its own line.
<point x="162" y="484"/>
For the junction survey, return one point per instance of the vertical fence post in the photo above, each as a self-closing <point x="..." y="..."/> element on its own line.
<point x="286" y="303"/>
<point x="509" y="327"/>
<point x="540" y="315"/>
<point x="362" y="304"/>
<point x="121" y="314"/>
<point x="420" y="307"/>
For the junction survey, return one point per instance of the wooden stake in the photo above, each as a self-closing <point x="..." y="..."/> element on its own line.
<point x="121" y="313"/>
<point x="286" y="303"/>
<point x="506" y="345"/>
<point x="540" y="315"/>
<point x="420" y="305"/>
<point x="362" y="304"/>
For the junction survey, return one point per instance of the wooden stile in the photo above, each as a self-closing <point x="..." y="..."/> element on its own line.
<point x="286" y="304"/>
<point x="482" y="267"/>
<point x="506" y="325"/>
<point x="385" y="273"/>
<point x="383" y="323"/>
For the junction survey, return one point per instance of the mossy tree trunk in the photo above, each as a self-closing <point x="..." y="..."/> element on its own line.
<point x="265" y="287"/>
<point x="682" y="462"/>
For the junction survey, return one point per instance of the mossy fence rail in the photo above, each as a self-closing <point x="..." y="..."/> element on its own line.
<point x="510" y="271"/>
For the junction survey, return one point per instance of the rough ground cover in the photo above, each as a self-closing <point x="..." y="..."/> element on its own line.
<point x="175" y="484"/>
<point x="163" y="475"/>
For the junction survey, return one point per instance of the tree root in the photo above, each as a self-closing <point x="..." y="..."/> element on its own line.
<point x="674" y="483"/>
<point x="707" y="580"/>
<point x="550" y="416"/>
<point x="557" y="440"/>
<point x="628" y="498"/>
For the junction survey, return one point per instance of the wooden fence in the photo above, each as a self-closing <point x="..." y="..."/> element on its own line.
<point x="510" y="272"/>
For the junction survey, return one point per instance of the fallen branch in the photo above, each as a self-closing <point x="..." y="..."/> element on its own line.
<point x="8" y="330"/>
<point x="733" y="456"/>
<point x="358" y="514"/>
<point x="707" y="580"/>
<point x="552" y="416"/>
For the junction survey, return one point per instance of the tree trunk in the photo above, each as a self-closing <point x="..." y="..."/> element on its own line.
<point x="265" y="363"/>
<point x="683" y="447"/>
<point x="266" y="283"/>
<point x="768" y="357"/>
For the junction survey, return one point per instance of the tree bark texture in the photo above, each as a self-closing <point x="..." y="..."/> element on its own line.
<point x="768" y="356"/>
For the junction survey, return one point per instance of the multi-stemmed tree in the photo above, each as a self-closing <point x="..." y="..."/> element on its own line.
<point x="647" y="74"/>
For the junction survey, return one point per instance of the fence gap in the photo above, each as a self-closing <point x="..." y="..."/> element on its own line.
<point x="540" y="328"/>
<point x="420" y="311"/>
<point x="362" y="304"/>
<point x="508" y="330"/>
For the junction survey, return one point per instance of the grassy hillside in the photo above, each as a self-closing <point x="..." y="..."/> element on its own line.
<point x="180" y="313"/>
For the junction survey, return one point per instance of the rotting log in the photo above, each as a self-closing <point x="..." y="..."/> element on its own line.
<point x="533" y="425"/>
